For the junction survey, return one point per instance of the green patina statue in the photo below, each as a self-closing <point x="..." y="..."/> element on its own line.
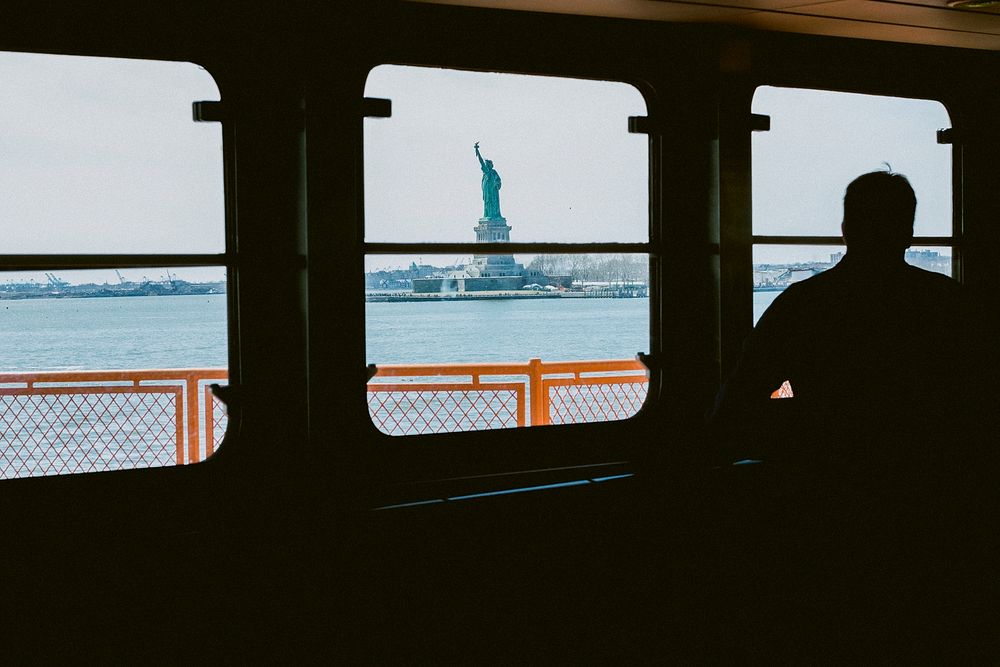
<point x="491" y="188"/>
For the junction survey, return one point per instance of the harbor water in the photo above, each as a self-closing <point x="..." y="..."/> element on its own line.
<point x="190" y="331"/>
<point x="506" y="330"/>
<point x="167" y="332"/>
<point x="136" y="332"/>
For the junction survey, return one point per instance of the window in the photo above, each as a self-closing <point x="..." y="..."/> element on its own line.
<point x="818" y="142"/>
<point x="113" y="295"/>
<point x="507" y="263"/>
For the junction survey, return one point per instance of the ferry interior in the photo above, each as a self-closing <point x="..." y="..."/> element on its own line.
<point x="311" y="533"/>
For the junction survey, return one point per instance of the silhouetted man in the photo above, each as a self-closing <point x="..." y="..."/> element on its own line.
<point x="882" y="357"/>
<point x="884" y="514"/>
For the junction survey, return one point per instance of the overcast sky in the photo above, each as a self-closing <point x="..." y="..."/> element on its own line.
<point x="571" y="171"/>
<point x="820" y="141"/>
<point x="101" y="155"/>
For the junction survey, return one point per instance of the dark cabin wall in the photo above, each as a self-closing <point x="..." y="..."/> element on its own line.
<point x="270" y="551"/>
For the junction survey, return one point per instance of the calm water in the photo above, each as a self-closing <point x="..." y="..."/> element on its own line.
<point x="190" y="331"/>
<point x="512" y="330"/>
<point x="113" y="333"/>
<point x="506" y="330"/>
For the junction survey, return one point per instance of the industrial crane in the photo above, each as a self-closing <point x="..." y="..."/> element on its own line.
<point x="55" y="281"/>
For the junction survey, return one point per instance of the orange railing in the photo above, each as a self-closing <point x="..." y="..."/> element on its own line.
<point x="414" y="398"/>
<point x="84" y="421"/>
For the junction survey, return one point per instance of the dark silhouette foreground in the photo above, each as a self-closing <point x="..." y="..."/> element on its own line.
<point x="887" y="362"/>
<point x="885" y="520"/>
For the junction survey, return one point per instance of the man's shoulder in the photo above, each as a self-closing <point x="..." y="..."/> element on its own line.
<point x="933" y="278"/>
<point x="931" y="286"/>
<point x="807" y="289"/>
<point x="907" y="274"/>
<point x="795" y="302"/>
<point x="846" y="288"/>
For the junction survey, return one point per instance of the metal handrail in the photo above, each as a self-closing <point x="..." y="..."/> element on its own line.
<point x="535" y="369"/>
<point x="72" y="381"/>
<point x="186" y="389"/>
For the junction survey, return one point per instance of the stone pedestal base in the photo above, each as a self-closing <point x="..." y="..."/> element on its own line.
<point x="495" y="230"/>
<point x="492" y="230"/>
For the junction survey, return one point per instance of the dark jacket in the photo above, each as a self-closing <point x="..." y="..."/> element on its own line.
<point x="887" y="362"/>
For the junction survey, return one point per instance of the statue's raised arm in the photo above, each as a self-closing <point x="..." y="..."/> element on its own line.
<point x="491" y="188"/>
<point x="479" y="155"/>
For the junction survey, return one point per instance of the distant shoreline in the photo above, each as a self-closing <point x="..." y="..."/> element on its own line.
<point x="401" y="297"/>
<point x="188" y="290"/>
<point x="369" y="298"/>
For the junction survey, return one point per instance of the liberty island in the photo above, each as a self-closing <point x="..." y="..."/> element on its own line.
<point x="490" y="276"/>
<point x="494" y="275"/>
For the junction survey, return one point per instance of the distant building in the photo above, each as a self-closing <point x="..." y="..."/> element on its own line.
<point x="797" y="275"/>
<point x="779" y="276"/>
<point x="396" y="279"/>
<point x="486" y="273"/>
<point x="929" y="260"/>
<point x="767" y="278"/>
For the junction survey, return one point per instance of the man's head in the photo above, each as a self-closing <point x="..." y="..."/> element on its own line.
<point x="878" y="214"/>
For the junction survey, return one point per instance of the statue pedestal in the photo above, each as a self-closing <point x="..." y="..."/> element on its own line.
<point x="495" y="230"/>
<point x="492" y="230"/>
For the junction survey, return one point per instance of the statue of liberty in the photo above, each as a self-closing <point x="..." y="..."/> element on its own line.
<point x="491" y="188"/>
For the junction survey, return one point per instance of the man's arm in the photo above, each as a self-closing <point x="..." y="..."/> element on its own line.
<point x="744" y="410"/>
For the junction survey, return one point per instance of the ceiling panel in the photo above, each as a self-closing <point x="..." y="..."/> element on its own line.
<point x="905" y="14"/>
<point x="991" y="9"/>
<point x="650" y="10"/>
<point x="838" y="27"/>
<point x="758" y="5"/>
<point x="913" y="21"/>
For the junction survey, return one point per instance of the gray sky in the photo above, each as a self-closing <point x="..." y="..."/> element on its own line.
<point x="571" y="172"/>
<point x="100" y="155"/>
<point x="820" y="141"/>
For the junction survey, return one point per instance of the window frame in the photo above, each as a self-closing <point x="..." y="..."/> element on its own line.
<point x="653" y="248"/>
<point x="954" y="241"/>
<point x="737" y="238"/>
<point x="683" y="249"/>
<point x="228" y="259"/>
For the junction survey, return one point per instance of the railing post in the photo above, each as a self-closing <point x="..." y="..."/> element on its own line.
<point x="209" y="422"/>
<point x="179" y="423"/>
<point x="192" y="418"/>
<point x="539" y="403"/>
<point x="521" y="407"/>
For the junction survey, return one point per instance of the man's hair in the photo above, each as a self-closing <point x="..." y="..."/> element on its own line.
<point x="878" y="212"/>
